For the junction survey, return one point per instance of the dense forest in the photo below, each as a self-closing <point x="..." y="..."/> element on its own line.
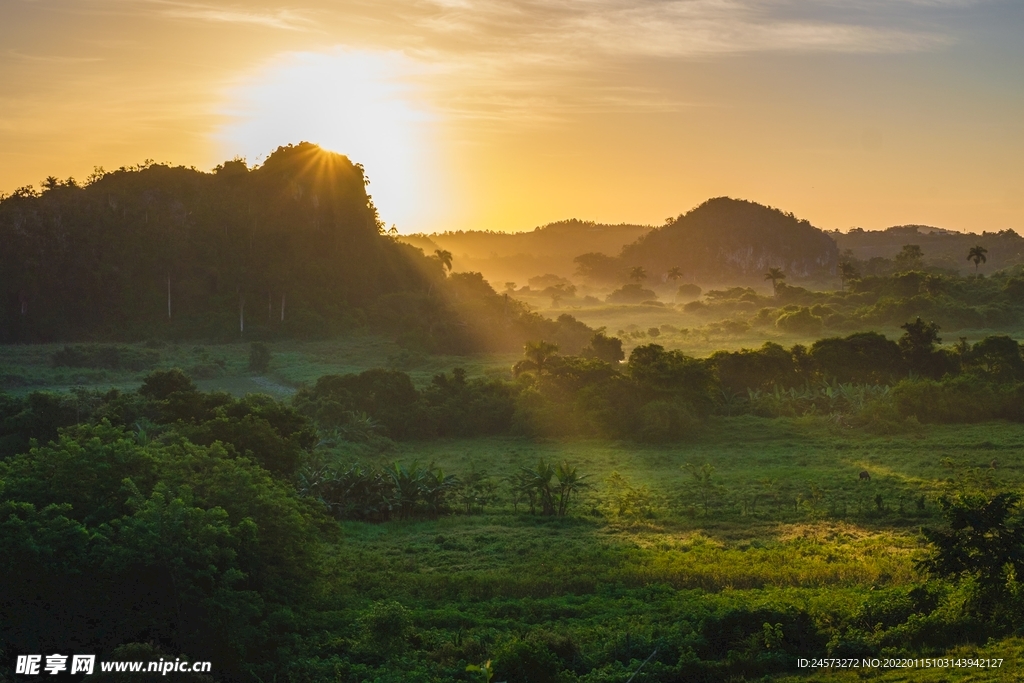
<point x="293" y="248"/>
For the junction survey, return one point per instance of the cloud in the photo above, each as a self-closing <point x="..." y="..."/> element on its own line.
<point x="671" y="28"/>
<point x="279" y="19"/>
<point x="51" y="59"/>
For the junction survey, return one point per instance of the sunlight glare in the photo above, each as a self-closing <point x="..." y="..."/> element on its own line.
<point x="359" y="104"/>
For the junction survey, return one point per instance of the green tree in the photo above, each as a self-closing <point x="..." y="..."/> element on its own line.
<point x="918" y="344"/>
<point x="983" y="540"/>
<point x="259" y="357"/>
<point x="977" y="254"/>
<point x="538" y="354"/>
<point x="775" y="275"/>
<point x="910" y="257"/>
<point x="847" y="272"/>
<point x="603" y="347"/>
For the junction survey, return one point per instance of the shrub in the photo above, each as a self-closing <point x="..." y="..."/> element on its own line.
<point x="666" y="420"/>
<point x="801" y="321"/>
<point x="688" y="292"/>
<point x="633" y="293"/>
<point x="259" y="357"/>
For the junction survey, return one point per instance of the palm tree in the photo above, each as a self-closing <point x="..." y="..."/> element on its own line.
<point x="847" y="271"/>
<point x="977" y="254"/>
<point x="637" y="273"/>
<point x="775" y="275"/>
<point x="445" y="257"/>
<point x="674" y="273"/>
<point x="537" y="356"/>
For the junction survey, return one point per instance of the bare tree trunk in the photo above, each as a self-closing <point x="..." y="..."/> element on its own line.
<point x="241" y="313"/>
<point x="282" y="307"/>
<point x="168" y="297"/>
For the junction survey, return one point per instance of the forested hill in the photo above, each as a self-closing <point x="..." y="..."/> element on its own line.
<point x="516" y="256"/>
<point x="727" y="239"/>
<point x="939" y="247"/>
<point x="293" y="248"/>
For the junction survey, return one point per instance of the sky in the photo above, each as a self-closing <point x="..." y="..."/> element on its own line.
<point x="506" y="115"/>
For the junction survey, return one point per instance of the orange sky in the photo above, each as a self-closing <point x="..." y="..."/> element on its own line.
<point x="486" y="114"/>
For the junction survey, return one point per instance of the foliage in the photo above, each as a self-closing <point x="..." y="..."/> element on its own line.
<point x="983" y="542"/>
<point x="259" y="357"/>
<point x="727" y="238"/>
<point x="632" y="293"/>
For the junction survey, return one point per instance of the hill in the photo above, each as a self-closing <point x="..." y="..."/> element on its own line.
<point x="728" y="240"/>
<point x="941" y="248"/>
<point x="548" y="249"/>
<point x="291" y="249"/>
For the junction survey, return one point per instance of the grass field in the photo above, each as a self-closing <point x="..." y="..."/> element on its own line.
<point x="789" y="525"/>
<point x="224" y="367"/>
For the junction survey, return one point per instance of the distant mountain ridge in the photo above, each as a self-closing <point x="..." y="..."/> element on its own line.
<point x="941" y="247"/>
<point x="549" y="248"/>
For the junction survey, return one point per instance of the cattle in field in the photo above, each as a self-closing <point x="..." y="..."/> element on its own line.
<point x="865" y="476"/>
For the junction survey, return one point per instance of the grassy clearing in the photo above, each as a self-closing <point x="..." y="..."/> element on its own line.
<point x="605" y="579"/>
<point x="224" y="367"/>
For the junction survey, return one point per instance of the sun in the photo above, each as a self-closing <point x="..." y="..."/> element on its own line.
<point x="360" y="104"/>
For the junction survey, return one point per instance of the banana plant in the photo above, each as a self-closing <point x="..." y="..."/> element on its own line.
<point x="570" y="483"/>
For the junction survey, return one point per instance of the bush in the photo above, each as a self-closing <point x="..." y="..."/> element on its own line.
<point x="666" y="420"/>
<point x="259" y="357"/>
<point x="801" y="321"/>
<point x="688" y="292"/>
<point x="631" y="294"/>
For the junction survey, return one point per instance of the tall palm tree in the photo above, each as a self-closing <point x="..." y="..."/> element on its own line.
<point x="637" y="274"/>
<point x="537" y="356"/>
<point x="775" y="275"/>
<point x="847" y="271"/>
<point x="445" y="257"/>
<point x="977" y="254"/>
<point x="674" y="273"/>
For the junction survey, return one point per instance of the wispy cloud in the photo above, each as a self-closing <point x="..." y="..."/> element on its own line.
<point x="50" y="59"/>
<point x="663" y="28"/>
<point x="287" y="19"/>
<point x="279" y="19"/>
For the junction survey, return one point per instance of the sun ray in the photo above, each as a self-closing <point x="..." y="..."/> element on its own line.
<point x="355" y="103"/>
